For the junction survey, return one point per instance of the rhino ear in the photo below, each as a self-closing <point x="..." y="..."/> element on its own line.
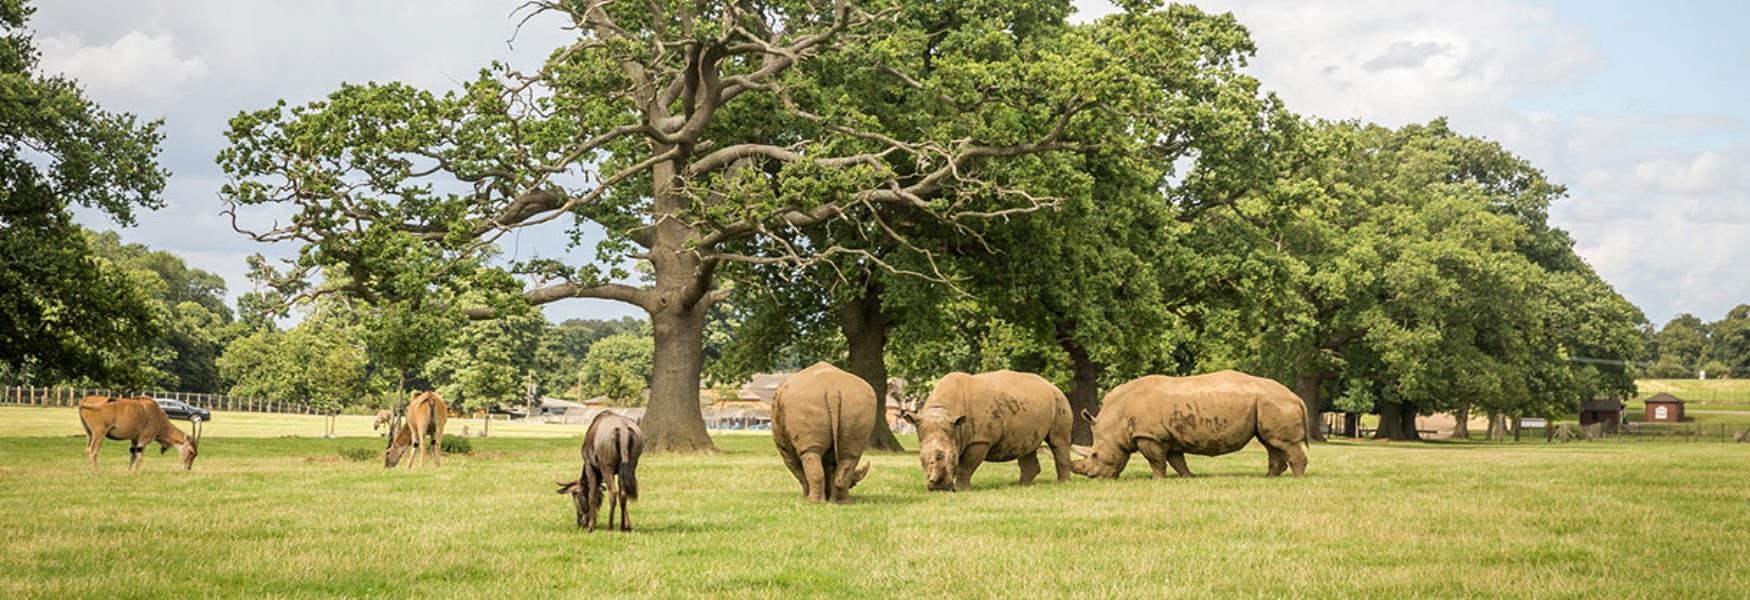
<point x="1087" y="415"/>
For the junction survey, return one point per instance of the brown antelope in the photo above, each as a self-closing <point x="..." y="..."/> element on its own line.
<point x="139" y="421"/>
<point x="422" y="427"/>
<point x="611" y="447"/>
<point x="383" y="418"/>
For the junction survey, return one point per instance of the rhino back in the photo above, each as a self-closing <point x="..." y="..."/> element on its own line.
<point x="820" y="403"/>
<point x="1207" y="415"/>
<point x="1013" y="412"/>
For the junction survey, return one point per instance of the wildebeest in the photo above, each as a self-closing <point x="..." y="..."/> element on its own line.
<point x="999" y="416"/>
<point x="422" y="428"/>
<point x="139" y="421"/>
<point x="1166" y="418"/>
<point x="821" y="420"/>
<point x="611" y="447"/>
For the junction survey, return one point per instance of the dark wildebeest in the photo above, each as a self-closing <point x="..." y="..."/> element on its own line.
<point x="423" y="427"/>
<point x="611" y="447"/>
<point x="139" y="421"/>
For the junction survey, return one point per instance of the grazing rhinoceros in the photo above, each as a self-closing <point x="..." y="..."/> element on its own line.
<point x="990" y="417"/>
<point x="1166" y="418"/>
<point x="821" y="419"/>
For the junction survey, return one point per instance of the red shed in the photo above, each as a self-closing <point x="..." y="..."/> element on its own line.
<point x="1664" y="408"/>
<point x="1606" y="412"/>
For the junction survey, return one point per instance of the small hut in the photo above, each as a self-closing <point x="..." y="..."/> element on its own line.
<point x="1605" y="412"/>
<point x="1664" y="408"/>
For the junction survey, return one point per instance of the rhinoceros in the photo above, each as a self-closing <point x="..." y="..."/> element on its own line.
<point x="821" y="419"/>
<point x="999" y="416"/>
<point x="1166" y="418"/>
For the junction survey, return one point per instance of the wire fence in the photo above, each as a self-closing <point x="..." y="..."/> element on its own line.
<point x="69" y="397"/>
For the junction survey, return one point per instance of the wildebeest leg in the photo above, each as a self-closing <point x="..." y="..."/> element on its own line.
<point x="1296" y="459"/>
<point x="1029" y="467"/>
<point x="1177" y="459"/>
<point x="1278" y="461"/>
<point x="594" y="489"/>
<point x="814" y="488"/>
<point x="970" y="458"/>
<point x="625" y="511"/>
<point x="1155" y="454"/>
<point x="612" y="494"/>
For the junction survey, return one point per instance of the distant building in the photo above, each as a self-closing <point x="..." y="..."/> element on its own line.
<point x="1664" y="408"/>
<point x="1606" y="412"/>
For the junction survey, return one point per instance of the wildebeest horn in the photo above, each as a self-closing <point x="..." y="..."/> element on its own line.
<point x="1082" y="450"/>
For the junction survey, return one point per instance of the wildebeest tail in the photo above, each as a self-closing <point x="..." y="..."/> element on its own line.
<point x="628" y="463"/>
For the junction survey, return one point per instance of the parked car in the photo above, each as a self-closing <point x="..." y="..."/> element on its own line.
<point x="177" y="409"/>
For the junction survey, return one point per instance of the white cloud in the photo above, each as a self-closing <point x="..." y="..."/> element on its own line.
<point x="136" y="64"/>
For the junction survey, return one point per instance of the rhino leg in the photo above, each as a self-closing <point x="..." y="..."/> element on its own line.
<point x="1278" y="461"/>
<point x="814" y="473"/>
<point x="1029" y="468"/>
<point x="1177" y="460"/>
<point x="1156" y="456"/>
<point x="1296" y="459"/>
<point x="795" y="465"/>
<point x="1060" y="456"/>
<point x="970" y="458"/>
<point x="844" y="476"/>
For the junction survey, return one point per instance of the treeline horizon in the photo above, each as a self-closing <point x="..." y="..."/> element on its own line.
<point x="925" y="188"/>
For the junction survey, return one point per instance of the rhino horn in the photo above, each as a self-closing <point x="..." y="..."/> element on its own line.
<point x="1082" y="450"/>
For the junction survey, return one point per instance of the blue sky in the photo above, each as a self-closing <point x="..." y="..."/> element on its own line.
<point x="1638" y="107"/>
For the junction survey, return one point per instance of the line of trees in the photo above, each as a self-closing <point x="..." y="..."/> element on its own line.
<point x="1687" y="347"/>
<point x="909" y="188"/>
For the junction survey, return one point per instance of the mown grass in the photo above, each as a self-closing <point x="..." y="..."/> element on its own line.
<point x="289" y="517"/>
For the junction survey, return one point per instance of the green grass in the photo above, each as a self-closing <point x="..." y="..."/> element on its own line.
<point x="287" y="517"/>
<point x="1712" y="394"/>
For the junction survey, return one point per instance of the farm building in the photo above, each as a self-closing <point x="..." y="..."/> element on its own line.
<point x="1606" y="412"/>
<point x="1664" y="408"/>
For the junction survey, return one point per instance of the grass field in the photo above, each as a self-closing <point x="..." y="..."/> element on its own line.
<point x="287" y="517"/>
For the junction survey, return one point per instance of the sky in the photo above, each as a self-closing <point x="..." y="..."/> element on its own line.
<point x="1639" y="108"/>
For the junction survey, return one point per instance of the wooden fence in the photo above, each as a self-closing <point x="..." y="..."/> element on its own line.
<point x="69" y="397"/>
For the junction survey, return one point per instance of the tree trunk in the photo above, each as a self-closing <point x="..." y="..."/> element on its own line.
<point x="1497" y="426"/>
<point x="672" y="419"/>
<point x="864" y="324"/>
<point x="1308" y="386"/>
<point x="1461" y="430"/>
<point x="1397" y="423"/>
<point x="1084" y="391"/>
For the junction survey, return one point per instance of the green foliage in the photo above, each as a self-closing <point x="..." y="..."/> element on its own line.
<point x="322" y="362"/>
<point x="65" y="316"/>
<point x="486" y="362"/>
<point x="357" y="454"/>
<point x="190" y="302"/>
<point x="455" y="444"/>
<point x="618" y="367"/>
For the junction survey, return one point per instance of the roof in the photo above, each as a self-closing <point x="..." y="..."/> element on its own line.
<point x="1664" y="398"/>
<point x="1602" y="404"/>
<point x="559" y="404"/>
<point x="763" y="386"/>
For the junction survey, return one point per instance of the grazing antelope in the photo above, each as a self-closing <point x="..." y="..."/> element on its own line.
<point x="383" y="418"/>
<point x="611" y="447"/>
<point x="422" y="427"/>
<point x="139" y="421"/>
